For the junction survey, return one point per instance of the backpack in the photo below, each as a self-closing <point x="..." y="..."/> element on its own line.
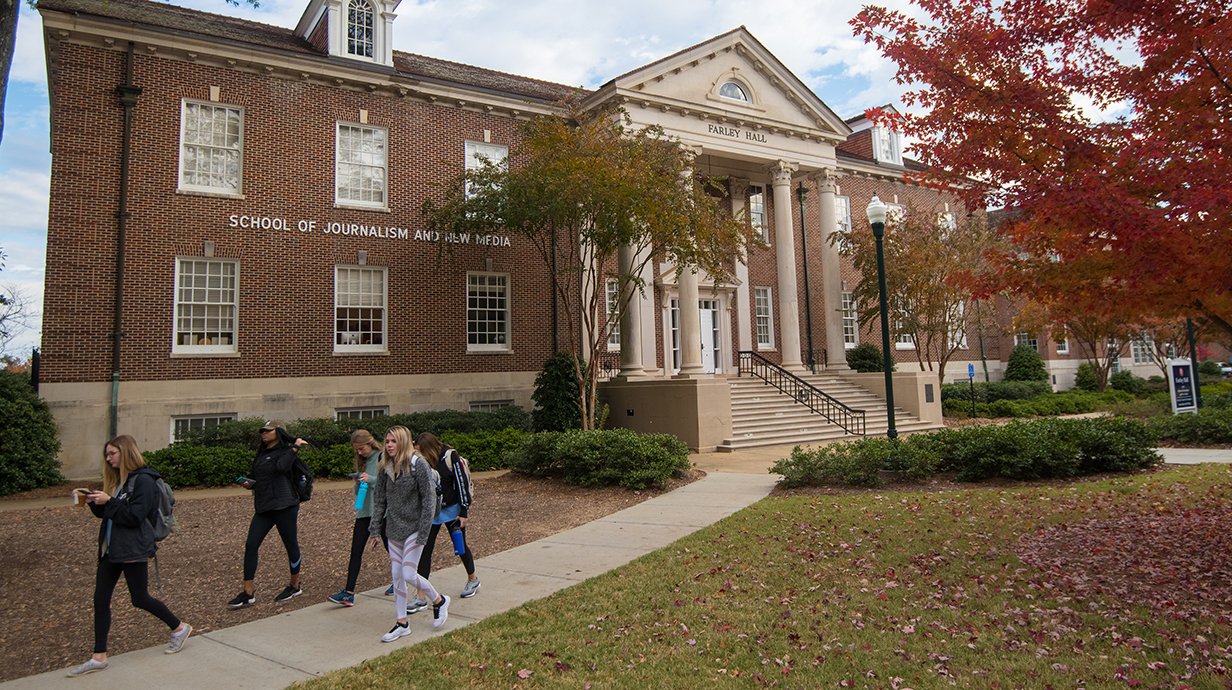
<point x="301" y="479"/>
<point x="162" y="519"/>
<point x="436" y="482"/>
<point x="466" y="469"/>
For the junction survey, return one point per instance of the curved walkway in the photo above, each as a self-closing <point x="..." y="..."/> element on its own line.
<point x="274" y="652"/>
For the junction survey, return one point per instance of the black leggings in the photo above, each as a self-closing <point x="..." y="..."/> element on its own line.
<point x="425" y="559"/>
<point x="359" y="540"/>
<point x="287" y="522"/>
<point x="137" y="575"/>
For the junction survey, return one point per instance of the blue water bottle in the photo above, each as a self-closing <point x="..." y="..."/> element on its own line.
<point x="455" y="533"/>
<point x="361" y="495"/>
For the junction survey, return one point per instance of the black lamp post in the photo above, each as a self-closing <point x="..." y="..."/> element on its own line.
<point x="876" y="217"/>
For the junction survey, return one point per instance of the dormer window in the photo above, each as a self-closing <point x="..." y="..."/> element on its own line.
<point x="734" y="91"/>
<point x="887" y="146"/>
<point x="360" y="34"/>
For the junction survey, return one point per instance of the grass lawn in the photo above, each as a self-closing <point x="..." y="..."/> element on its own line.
<point x="1122" y="583"/>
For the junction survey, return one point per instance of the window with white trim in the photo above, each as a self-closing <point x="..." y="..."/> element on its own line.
<point x="613" y="301"/>
<point x="206" y="305"/>
<point x="487" y="311"/>
<point x="477" y="152"/>
<point x="733" y="91"/>
<point x="1063" y="345"/>
<point x="842" y="213"/>
<point x="345" y="413"/>
<point x="180" y="426"/>
<point x="361" y="169"/>
<point x="359" y="309"/>
<point x="361" y="23"/>
<point x="1142" y="348"/>
<point x="958" y="326"/>
<point x="887" y="146"/>
<point x="851" y="328"/>
<point x="1025" y="338"/>
<point x="903" y="339"/>
<point x="211" y="147"/>
<point x="765" y="319"/>
<point x="757" y="212"/>
<point x="489" y="405"/>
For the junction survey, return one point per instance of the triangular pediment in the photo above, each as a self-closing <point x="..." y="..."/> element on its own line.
<point x="729" y="78"/>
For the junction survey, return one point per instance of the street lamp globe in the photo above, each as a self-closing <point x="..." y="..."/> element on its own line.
<point x="877" y="211"/>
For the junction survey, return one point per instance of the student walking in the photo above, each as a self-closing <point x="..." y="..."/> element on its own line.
<point x="125" y="545"/>
<point x="455" y="502"/>
<point x="275" y="504"/>
<point x="367" y="459"/>
<point x="404" y="503"/>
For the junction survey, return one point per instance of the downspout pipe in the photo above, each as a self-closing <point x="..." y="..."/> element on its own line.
<point x="808" y="286"/>
<point x="128" y="93"/>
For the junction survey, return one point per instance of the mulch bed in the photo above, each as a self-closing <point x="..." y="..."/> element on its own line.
<point x="47" y="563"/>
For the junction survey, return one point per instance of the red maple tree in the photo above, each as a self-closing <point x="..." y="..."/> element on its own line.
<point x="1104" y="124"/>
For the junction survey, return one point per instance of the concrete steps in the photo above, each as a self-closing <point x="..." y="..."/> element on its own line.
<point x="764" y="416"/>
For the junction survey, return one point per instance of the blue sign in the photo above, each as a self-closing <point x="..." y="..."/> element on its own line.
<point x="970" y="371"/>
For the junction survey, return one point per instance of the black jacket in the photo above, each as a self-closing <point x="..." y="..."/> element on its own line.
<point x="454" y="487"/>
<point x="127" y="515"/>
<point x="271" y="470"/>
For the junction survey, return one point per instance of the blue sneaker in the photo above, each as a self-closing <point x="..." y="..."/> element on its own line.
<point x="344" y="597"/>
<point x="389" y="592"/>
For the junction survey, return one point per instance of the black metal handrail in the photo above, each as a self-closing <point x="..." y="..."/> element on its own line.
<point x="609" y="365"/>
<point x="815" y="359"/>
<point x="850" y="420"/>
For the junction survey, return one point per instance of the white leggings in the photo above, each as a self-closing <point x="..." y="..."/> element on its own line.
<point x="403" y="561"/>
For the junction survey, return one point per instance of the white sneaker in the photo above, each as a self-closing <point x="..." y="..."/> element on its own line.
<point x="399" y="630"/>
<point x="440" y="612"/>
<point x="89" y="667"/>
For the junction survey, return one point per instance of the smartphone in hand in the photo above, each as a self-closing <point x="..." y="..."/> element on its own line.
<point x="245" y="482"/>
<point x="354" y="475"/>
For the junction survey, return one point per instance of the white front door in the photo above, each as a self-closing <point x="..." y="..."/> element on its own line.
<point x="707" y="329"/>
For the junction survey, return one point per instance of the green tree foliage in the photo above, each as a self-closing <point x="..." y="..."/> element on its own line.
<point x="1086" y="379"/>
<point x="556" y="395"/>
<point x="581" y="189"/>
<point x="29" y="438"/>
<point x="1209" y="368"/>
<point x="866" y="358"/>
<point x="1025" y="364"/>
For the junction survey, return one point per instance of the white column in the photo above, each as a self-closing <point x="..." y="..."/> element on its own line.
<point x="630" y="317"/>
<point x="744" y="320"/>
<point x="831" y="274"/>
<point x="690" y="328"/>
<point x="785" y="256"/>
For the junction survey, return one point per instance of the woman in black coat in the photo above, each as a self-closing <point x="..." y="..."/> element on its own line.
<point x="125" y="545"/>
<point x="275" y="504"/>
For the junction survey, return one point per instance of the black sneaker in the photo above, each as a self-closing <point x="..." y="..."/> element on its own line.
<point x="286" y="594"/>
<point x="242" y="599"/>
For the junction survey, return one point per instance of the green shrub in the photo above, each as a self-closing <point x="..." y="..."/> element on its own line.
<point x="1086" y="379"/>
<point x="1217" y="401"/>
<point x="1143" y="408"/>
<point x="1209" y="425"/>
<point x="1155" y="384"/>
<point x="866" y="358"/>
<point x="858" y="463"/>
<point x="1209" y="368"/>
<point x="556" y="394"/>
<point x="1113" y="444"/>
<point x="189" y="465"/>
<point x="485" y="450"/>
<point x="1025" y="364"/>
<point x="602" y="458"/>
<point x="1127" y="381"/>
<point x="996" y="390"/>
<point x="29" y="438"/>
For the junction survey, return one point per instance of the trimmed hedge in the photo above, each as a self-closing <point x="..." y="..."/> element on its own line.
<point x="1049" y="405"/>
<point x="29" y="438"/>
<point x="1209" y="425"/>
<point x="188" y="465"/>
<point x="994" y="391"/>
<point x="601" y="458"/>
<point x="1045" y="448"/>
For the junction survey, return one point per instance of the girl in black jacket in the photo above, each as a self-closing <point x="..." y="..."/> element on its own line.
<point x="125" y="544"/>
<point x="275" y="504"/>
<point x="455" y="508"/>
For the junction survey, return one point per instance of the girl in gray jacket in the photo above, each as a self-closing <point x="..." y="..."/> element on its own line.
<point x="404" y="503"/>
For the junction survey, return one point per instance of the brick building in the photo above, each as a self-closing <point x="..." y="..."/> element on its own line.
<point x="240" y="203"/>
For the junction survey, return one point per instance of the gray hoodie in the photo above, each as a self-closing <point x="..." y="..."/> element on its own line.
<point x="407" y="503"/>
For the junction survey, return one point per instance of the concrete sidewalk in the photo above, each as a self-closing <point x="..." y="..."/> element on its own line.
<point x="274" y="652"/>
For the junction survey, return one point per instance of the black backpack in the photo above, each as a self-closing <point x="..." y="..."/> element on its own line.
<point x="301" y="479"/>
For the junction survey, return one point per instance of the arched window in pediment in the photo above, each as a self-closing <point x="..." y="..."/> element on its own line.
<point x="360" y="28"/>
<point x="734" y="91"/>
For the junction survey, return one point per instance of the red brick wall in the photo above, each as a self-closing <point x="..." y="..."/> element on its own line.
<point x="320" y="35"/>
<point x="285" y="317"/>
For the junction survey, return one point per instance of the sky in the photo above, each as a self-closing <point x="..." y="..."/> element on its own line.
<point x="579" y="43"/>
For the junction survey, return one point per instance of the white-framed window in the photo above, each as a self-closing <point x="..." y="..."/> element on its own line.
<point x="489" y="405"/>
<point x="851" y="328"/>
<point x="887" y="146"/>
<point x="1062" y="345"/>
<point x="359" y="309"/>
<point x="1024" y="338"/>
<point x="477" y="152"/>
<point x="903" y="339"/>
<point x="958" y="326"/>
<point x="733" y="91"/>
<point x="206" y="306"/>
<point x="361" y="28"/>
<point x="211" y="147"/>
<point x="180" y="426"/>
<point x="765" y="320"/>
<point x="1116" y="366"/>
<point x="757" y="212"/>
<point x="613" y="299"/>
<point x="1142" y="348"/>
<point x="895" y="213"/>
<point x="842" y="213"/>
<point x="487" y="311"/>
<point x="345" y="413"/>
<point x="361" y="170"/>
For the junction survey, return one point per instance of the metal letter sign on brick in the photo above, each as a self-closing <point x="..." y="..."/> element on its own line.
<point x="1181" y="381"/>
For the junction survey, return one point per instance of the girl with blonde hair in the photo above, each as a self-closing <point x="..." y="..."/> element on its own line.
<point x="404" y="503"/>
<point x="367" y="459"/>
<point x="125" y="545"/>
